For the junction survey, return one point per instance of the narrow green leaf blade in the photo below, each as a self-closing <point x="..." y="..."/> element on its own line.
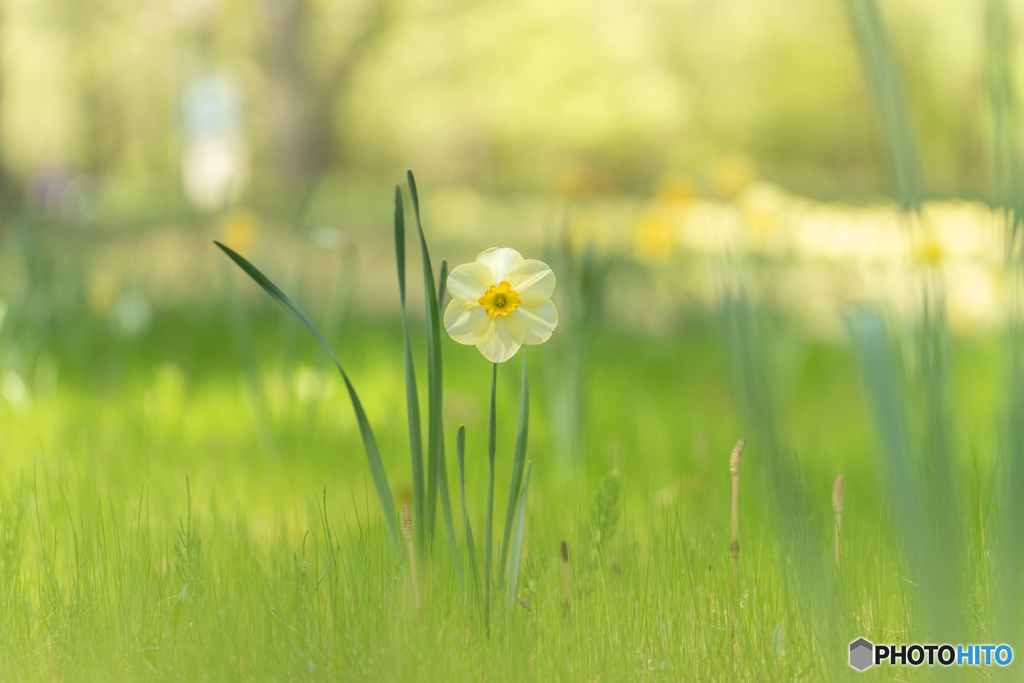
<point x="449" y="517"/>
<point x="517" y="545"/>
<point x="411" y="393"/>
<point x="442" y="285"/>
<point x="880" y="69"/>
<point x="449" y="520"/>
<point x="442" y="475"/>
<point x="380" y="479"/>
<point x="400" y="242"/>
<point x="460" y="448"/>
<point x="518" y="463"/>
<point x="435" y="431"/>
<point x="275" y="292"/>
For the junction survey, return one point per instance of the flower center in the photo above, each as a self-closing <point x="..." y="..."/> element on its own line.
<point x="500" y="299"/>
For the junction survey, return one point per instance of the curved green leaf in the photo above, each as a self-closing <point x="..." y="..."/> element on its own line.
<point x="380" y="480"/>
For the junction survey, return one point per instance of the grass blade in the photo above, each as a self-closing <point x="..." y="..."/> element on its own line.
<point x="517" y="544"/>
<point x="380" y="479"/>
<point x="442" y="475"/>
<point x="518" y="463"/>
<point x="412" y="396"/>
<point x="449" y="520"/>
<point x="460" y="448"/>
<point x="928" y="563"/>
<point x="1007" y="174"/>
<point x="750" y="348"/>
<point x="1008" y="180"/>
<point x="883" y="77"/>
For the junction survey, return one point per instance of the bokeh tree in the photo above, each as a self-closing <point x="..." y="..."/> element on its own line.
<point x="310" y="51"/>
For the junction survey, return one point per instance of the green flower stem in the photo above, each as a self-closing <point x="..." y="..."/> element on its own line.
<point x="492" y="447"/>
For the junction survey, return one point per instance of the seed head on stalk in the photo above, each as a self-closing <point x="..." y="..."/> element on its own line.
<point x="734" y="468"/>
<point x="734" y="546"/>
<point x="407" y="531"/>
<point x="567" y="578"/>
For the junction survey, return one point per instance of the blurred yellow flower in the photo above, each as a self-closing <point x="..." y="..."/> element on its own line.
<point x="239" y="230"/>
<point x="500" y="302"/>
<point x="653" y="235"/>
<point x="676" y="192"/>
<point x="928" y="251"/>
<point x="581" y="181"/>
<point x="762" y="206"/>
<point x="731" y="176"/>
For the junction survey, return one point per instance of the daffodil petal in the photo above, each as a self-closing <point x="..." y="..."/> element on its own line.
<point x="498" y="338"/>
<point x="538" y="321"/>
<point x="468" y="282"/>
<point x="533" y="281"/>
<point x="462" y="319"/>
<point x="501" y="261"/>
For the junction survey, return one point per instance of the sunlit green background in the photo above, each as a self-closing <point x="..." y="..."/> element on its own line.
<point x="651" y="146"/>
<point x="564" y="98"/>
<point x="660" y="155"/>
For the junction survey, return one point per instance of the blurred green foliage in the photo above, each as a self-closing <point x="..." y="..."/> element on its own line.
<point x="572" y="97"/>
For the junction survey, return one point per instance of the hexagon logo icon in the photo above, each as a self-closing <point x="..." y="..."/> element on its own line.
<point x="861" y="654"/>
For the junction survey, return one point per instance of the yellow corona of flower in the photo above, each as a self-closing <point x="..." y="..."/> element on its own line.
<point x="500" y="302"/>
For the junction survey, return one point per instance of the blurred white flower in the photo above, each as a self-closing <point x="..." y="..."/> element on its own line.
<point x="307" y="385"/>
<point x="132" y="314"/>
<point x="215" y="154"/>
<point x="13" y="389"/>
<point x="328" y="238"/>
<point x="500" y="302"/>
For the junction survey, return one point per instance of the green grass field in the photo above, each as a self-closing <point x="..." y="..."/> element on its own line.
<point x="789" y="225"/>
<point x="158" y="526"/>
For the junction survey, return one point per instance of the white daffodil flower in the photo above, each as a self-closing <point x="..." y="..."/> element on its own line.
<point x="500" y="302"/>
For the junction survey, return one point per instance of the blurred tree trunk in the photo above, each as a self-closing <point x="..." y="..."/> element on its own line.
<point x="304" y="93"/>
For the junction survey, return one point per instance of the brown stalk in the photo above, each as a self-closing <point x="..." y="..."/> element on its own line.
<point x="407" y="532"/>
<point x="567" y="580"/>
<point x="734" y="547"/>
<point x="734" y="468"/>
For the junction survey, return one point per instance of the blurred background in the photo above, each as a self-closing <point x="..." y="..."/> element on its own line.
<point x="795" y="222"/>
<point x="645" y="128"/>
<point x="643" y="148"/>
<point x="155" y="108"/>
